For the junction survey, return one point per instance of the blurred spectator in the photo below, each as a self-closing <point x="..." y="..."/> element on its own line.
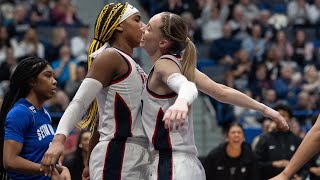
<point x="224" y="49"/>
<point x="303" y="102"/>
<point x="197" y="7"/>
<point x="64" y="67"/>
<point x="19" y="24"/>
<point x="6" y="69"/>
<point x="75" y="162"/>
<point x="59" y="39"/>
<point x="40" y="13"/>
<point x="241" y="69"/>
<point x="30" y="45"/>
<point x="283" y="46"/>
<point x="259" y="81"/>
<point x="275" y="149"/>
<point x="269" y="97"/>
<point x="173" y="6"/>
<point x="302" y="50"/>
<point x="5" y="43"/>
<point x="296" y="129"/>
<point x="58" y="103"/>
<point x="254" y="44"/>
<point x="311" y="80"/>
<point x="250" y="10"/>
<point x="232" y="159"/>
<point x="265" y="129"/>
<point x="7" y="11"/>
<point x="298" y="12"/>
<point x="239" y="23"/>
<point x="267" y="30"/>
<point x="212" y="20"/>
<point x="314" y="12"/>
<point x="64" y="13"/>
<point x="272" y="62"/>
<point x="285" y="87"/>
<point x="9" y="65"/>
<point x="72" y="86"/>
<point x="80" y="44"/>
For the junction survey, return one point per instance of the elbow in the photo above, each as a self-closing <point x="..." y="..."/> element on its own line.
<point x="7" y="164"/>
<point x="222" y="94"/>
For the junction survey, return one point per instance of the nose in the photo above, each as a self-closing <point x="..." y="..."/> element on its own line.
<point x="54" y="81"/>
<point x="143" y="27"/>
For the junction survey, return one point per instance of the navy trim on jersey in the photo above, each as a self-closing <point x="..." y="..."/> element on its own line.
<point x="123" y="77"/>
<point x="161" y="141"/>
<point x="114" y="160"/>
<point x="123" y="118"/>
<point x="116" y="148"/>
<point x="155" y="95"/>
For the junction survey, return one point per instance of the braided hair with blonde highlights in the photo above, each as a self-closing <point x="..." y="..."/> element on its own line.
<point x="175" y="30"/>
<point x="105" y="25"/>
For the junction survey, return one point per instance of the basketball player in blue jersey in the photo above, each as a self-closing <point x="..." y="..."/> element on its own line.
<point x="27" y="125"/>
<point x="173" y="151"/>
<point x="115" y="81"/>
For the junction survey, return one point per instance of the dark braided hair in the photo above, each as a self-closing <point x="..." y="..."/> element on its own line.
<point x="19" y="87"/>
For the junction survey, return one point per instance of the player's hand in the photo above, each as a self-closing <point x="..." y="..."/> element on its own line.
<point x="65" y="174"/>
<point x="176" y="115"/>
<point x="51" y="156"/>
<point x="85" y="173"/>
<point x="277" y="118"/>
<point x="281" y="176"/>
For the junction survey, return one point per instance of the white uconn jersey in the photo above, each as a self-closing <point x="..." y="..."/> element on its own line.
<point x="153" y="108"/>
<point x="119" y="104"/>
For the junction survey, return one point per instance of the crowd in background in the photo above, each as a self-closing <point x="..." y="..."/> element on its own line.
<point x="269" y="49"/>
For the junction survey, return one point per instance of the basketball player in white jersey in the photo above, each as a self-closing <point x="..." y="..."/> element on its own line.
<point x="173" y="151"/>
<point x="115" y="82"/>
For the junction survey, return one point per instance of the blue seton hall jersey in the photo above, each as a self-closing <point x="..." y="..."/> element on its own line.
<point x="32" y="128"/>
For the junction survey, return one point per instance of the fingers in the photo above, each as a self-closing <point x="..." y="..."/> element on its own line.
<point x="166" y="118"/>
<point x="61" y="160"/>
<point x="48" y="164"/>
<point x="174" y="119"/>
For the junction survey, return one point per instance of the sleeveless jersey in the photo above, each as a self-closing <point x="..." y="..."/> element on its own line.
<point x="153" y="108"/>
<point x="119" y="104"/>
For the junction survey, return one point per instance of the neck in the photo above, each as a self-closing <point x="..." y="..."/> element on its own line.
<point x="233" y="150"/>
<point x="154" y="57"/>
<point x="84" y="156"/>
<point x="125" y="47"/>
<point x="37" y="102"/>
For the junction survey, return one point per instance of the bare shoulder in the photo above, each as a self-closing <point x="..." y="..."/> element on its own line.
<point x="107" y="56"/>
<point x="166" y="65"/>
<point x="105" y="66"/>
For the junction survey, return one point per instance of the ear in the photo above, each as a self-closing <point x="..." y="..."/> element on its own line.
<point x="80" y="146"/>
<point x="164" y="43"/>
<point x="119" y="27"/>
<point x="32" y="83"/>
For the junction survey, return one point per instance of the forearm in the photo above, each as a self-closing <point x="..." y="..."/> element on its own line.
<point x="237" y="98"/>
<point x="93" y="142"/>
<point x="307" y="149"/>
<point x="23" y="166"/>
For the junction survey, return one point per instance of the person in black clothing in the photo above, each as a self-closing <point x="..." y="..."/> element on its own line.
<point x="233" y="159"/>
<point x="76" y="161"/>
<point x="275" y="149"/>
